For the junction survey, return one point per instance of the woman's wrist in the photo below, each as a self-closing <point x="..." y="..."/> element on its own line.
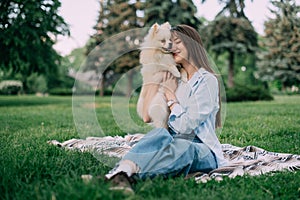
<point x="171" y="102"/>
<point x="171" y="99"/>
<point x="170" y="96"/>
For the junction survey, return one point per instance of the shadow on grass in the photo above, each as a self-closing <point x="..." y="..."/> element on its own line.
<point x="15" y="101"/>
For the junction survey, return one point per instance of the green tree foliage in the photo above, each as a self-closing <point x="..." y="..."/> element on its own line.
<point x="92" y="63"/>
<point x="231" y="32"/>
<point x="115" y="16"/>
<point x="124" y="16"/>
<point x="232" y="8"/>
<point x="75" y="59"/>
<point x="28" y="31"/>
<point x="36" y="83"/>
<point x="280" y="60"/>
<point x="175" y="12"/>
<point x="69" y="63"/>
<point x="234" y="36"/>
<point x="235" y="8"/>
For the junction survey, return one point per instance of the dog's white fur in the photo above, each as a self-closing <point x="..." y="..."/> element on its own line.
<point x="155" y="58"/>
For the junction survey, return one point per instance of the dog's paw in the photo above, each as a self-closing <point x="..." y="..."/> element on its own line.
<point x="183" y="75"/>
<point x="176" y="73"/>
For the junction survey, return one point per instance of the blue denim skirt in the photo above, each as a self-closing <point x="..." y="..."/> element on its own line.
<point x="160" y="152"/>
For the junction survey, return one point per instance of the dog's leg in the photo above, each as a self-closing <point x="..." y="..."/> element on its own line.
<point x="173" y="69"/>
<point x="147" y="93"/>
<point x="139" y="106"/>
<point x="169" y="64"/>
<point x="158" y="111"/>
<point x="183" y="75"/>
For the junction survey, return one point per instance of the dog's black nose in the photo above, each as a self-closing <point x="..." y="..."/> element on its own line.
<point x="170" y="45"/>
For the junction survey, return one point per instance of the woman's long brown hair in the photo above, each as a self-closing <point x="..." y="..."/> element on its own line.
<point x="197" y="55"/>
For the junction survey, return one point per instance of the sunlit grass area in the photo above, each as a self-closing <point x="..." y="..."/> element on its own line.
<point x="30" y="168"/>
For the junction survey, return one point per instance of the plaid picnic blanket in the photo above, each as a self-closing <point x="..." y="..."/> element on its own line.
<point x="248" y="160"/>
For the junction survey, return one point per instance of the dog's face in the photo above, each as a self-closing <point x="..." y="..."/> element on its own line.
<point x="159" y="37"/>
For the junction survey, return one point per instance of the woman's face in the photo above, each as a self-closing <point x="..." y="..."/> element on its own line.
<point x="180" y="53"/>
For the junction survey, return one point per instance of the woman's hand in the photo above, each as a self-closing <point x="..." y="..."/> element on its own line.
<point x="170" y="85"/>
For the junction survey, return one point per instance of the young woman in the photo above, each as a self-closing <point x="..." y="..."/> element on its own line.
<point x="190" y="143"/>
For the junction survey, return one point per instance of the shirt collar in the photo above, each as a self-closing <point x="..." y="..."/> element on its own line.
<point x="196" y="76"/>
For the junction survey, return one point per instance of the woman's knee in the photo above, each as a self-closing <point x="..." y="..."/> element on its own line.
<point x="158" y="133"/>
<point x="155" y="140"/>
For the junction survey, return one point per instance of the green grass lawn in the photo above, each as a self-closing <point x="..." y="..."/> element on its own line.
<point x="32" y="169"/>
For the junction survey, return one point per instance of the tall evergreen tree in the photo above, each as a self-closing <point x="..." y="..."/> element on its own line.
<point x="115" y="17"/>
<point x="94" y="57"/>
<point x="187" y="10"/>
<point x="28" y="31"/>
<point x="175" y="12"/>
<point x="157" y="11"/>
<point x="123" y="17"/>
<point x="231" y="32"/>
<point x="280" y="60"/>
<point x="232" y="8"/>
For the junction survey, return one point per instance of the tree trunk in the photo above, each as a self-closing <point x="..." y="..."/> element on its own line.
<point x="101" y="86"/>
<point x="283" y="86"/>
<point x="129" y="86"/>
<point x="231" y="70"/>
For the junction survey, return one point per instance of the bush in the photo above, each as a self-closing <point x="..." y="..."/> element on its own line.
<point x="69" y="92"/>
<point x="247" y="93"/>
<point x="61" y="91"/>
<point x="10" y="87"/>
<point x="36" y="83"/>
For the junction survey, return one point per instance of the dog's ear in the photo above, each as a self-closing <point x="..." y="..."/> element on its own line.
<point x="154" y="28"/>
<point x="166" y="25"/>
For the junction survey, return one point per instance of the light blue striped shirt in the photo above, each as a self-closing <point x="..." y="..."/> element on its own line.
<point x="196" y="112"/>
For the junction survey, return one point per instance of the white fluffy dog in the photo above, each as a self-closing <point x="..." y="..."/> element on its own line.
<point x="156" y="57"/>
